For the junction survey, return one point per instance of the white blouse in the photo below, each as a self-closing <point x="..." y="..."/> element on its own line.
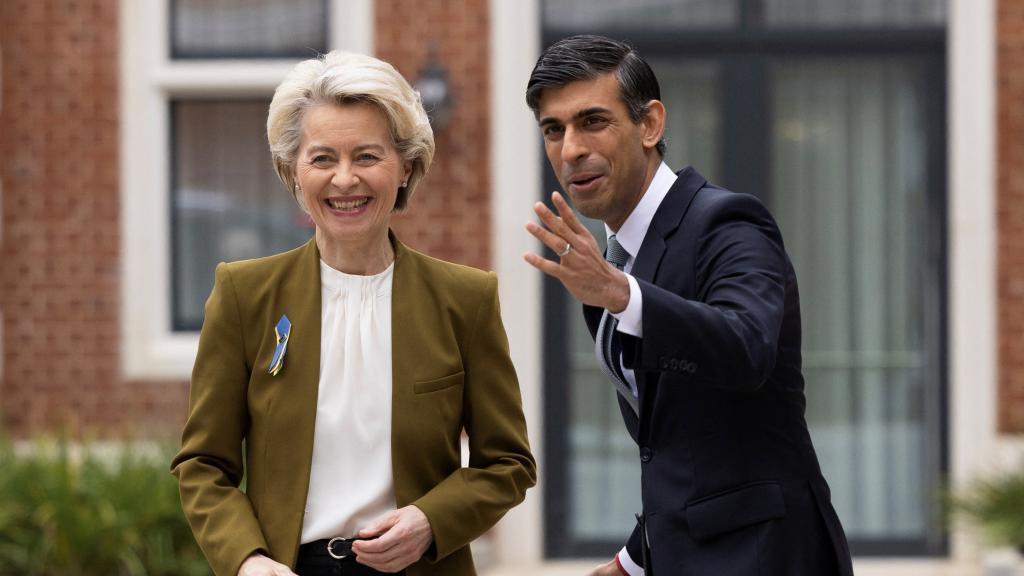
<point x="350" y="483"/>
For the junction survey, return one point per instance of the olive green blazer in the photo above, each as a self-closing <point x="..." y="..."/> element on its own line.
<point x="451" y="372"/>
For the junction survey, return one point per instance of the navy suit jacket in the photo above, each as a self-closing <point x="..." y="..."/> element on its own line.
<point x="730" y="480"/>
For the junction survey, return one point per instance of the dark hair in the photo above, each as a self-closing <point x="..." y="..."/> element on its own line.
<point x="585" y="57"/>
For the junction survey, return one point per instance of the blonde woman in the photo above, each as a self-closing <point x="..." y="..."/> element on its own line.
<point x="346" y="370"/>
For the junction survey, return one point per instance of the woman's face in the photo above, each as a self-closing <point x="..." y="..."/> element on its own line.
<point x="349" y="172"/>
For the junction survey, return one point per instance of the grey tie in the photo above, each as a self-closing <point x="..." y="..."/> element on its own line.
<point x="608" y="361"/>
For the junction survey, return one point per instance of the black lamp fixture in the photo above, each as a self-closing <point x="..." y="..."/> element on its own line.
<point x="435" y="92"/>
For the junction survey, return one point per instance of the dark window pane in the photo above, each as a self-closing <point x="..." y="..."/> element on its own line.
<point x="227" y="202"/>
<point x="855" y="13"/>
<point x="850" y="176"/>
<point x="248" y="28"/>
<point x="690" y="91"/>
<point x="604" y="477"/>
<point x="661" y="14"/>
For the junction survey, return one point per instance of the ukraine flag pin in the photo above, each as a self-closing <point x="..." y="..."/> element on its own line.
<point x="281" y="331"/>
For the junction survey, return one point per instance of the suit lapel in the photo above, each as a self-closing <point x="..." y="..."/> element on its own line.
<point x="666" y="221"/>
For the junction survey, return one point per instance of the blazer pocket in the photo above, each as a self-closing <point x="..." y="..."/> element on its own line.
<point x="438" y="383"/>
<point x="724" y="512"/>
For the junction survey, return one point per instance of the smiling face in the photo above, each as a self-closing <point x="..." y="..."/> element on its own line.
<point x="349" y="171"/>
<point x="602" y="159"/>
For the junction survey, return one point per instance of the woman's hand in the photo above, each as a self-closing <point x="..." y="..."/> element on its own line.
<point x="260" y="565"/>
<point x="400" y="538"/>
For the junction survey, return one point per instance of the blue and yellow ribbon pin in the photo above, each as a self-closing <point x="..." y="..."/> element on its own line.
<point x="281" y="331"/>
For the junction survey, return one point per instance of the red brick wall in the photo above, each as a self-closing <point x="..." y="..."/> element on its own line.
<point x="60" y="282"/>
<point x="449" y="217"/>
<point x="59" y="291"/>
<point x="1010" y="202"/>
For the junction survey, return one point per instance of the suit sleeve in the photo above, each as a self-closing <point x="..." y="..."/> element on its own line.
<point x="728" y="336"/>
<point x="501" y="467"/>
<point x="209" y="466"/>
<point x="635" y="546"/>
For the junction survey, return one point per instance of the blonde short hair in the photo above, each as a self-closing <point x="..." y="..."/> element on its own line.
<point x="344" y="78"/>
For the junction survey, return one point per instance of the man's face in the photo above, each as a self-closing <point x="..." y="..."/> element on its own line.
<point x="595" y="149"/>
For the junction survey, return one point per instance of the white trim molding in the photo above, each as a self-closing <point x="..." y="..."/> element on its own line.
<point x="515" y="186"/>
<point x="151" y="350"/>
<point x="972" y="200"/>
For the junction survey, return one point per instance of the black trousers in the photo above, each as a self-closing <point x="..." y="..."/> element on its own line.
<point x="315" y="561"/>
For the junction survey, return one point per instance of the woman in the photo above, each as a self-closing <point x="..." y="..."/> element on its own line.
<point x="349" y="368"/>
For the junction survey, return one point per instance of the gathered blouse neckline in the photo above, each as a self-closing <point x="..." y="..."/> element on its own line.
<point x="337" y="281"/>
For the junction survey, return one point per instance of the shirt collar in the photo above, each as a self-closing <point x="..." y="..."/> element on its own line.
<point x="631" y="234"/>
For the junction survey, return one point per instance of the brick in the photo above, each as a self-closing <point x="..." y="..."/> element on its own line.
<point x="1010" y="212"/>
<point x="60" y="293"/>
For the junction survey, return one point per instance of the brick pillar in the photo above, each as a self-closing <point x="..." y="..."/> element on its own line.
<point x="1010" y="217"/>
<point x="450" y="215"/>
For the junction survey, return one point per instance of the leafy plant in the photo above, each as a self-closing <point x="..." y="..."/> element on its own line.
<point x="996" y="506"/>
<point x="91" y="513"/>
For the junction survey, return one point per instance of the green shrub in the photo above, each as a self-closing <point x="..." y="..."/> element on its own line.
<point x="996" y="506"/>
<point x="91" y="514"/>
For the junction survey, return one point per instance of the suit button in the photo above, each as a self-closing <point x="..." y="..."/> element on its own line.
<point x="645" y="454"/>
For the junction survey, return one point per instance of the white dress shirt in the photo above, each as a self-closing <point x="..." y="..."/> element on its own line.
<point x="350" y="482"/>
<point x="631" y="236"/>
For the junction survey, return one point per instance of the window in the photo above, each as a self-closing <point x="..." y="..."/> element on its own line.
<point x="197" y="182"/>
<point x="833" y="112"/>
<point x="227" y="202"/>
<point x="248" y="28"/>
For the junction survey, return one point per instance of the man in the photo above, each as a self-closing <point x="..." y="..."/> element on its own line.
<point x="699" y="330"/>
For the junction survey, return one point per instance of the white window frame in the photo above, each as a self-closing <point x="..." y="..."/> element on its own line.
<point x="150" y="80"/>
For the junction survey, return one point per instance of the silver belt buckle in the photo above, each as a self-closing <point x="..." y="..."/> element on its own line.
<point x="330" y="548"/>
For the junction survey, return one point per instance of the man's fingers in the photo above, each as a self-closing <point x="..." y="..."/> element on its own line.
<point x="543" y="264"/>
<point x="552" y="220"/>
<point x="553" y="241"/>
<point x="567" y="214"/>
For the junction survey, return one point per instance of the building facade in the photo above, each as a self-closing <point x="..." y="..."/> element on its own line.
<point x="886" y="136"/>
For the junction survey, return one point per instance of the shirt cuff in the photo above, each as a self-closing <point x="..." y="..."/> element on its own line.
<point x="626" y="564"/>
<point x="631" y="319"/>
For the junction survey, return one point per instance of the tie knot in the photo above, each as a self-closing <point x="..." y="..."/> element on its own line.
<point x="616" y="254"/>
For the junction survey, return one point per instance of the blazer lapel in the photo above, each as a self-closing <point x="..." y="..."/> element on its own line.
<point x="300" y="300"/>
<point x="406" y="340"/>
<point x="292" y="407"/>
<point x="666" y="220"/>
<point x="403" y="307"/>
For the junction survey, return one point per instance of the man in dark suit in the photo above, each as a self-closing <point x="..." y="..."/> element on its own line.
<point x="696" y="319"/>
